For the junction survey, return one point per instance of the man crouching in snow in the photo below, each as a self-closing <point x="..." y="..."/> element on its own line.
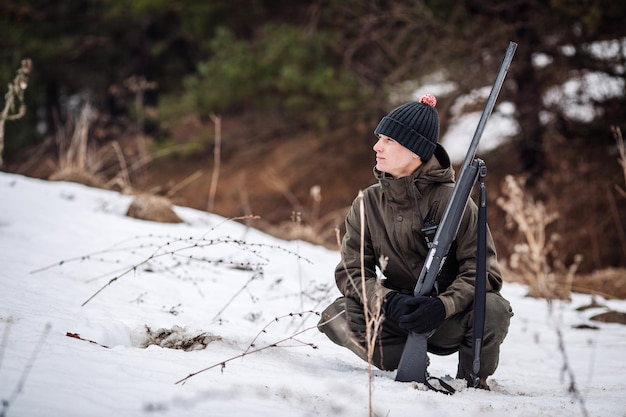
<point x="415" y="182"/>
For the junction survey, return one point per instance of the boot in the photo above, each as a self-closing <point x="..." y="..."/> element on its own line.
<point x="482" y="382"/>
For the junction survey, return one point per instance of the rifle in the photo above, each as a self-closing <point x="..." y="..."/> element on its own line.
<point x="413" y="363"/>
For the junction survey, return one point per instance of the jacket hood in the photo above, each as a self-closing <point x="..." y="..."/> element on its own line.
<point x="437" y="169"/>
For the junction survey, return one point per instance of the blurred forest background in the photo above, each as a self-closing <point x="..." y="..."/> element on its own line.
<point x="267" y="107"/>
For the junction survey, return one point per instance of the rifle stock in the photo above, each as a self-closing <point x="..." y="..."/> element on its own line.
<point x="413" y="363"/>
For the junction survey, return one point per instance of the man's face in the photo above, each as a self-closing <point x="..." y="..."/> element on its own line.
<point x="395" y="159"/>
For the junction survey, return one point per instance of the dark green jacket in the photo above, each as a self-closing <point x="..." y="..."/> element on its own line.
<point x="392" y="229"/>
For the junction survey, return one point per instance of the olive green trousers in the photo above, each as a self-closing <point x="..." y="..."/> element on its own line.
<point x="344" y="323"/>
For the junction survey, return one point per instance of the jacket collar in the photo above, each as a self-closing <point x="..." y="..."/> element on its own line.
<point x="436" y="170"/>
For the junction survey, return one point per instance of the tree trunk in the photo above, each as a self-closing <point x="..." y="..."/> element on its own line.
<point x="528" y="104"/>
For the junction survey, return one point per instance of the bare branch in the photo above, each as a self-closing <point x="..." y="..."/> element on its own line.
<point x="253" y="349"/>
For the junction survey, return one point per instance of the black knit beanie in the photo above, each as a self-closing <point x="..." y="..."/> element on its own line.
<point x="415" y="125"/>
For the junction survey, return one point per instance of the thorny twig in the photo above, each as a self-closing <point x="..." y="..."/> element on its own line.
<point x="253" y="349"/>
<point x="258" y="272"/>
<point x="117" y="247"/>
<point x="20" y="384"/>
<point x="167" y="250"/>
<point x="264" y="329"/>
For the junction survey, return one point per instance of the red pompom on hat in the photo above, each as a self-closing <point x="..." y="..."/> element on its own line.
<point x="429" y="99"/>
<point x="415" y="125"/>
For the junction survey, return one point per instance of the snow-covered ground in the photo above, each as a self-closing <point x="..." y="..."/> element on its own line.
<point x="60" y="243"/>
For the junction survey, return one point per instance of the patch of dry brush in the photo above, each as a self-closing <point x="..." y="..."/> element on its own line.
<point x="535" y="258"/>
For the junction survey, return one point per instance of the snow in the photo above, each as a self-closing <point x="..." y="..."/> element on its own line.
<point x="500" y="127"/>
<point x="227" y="284"/>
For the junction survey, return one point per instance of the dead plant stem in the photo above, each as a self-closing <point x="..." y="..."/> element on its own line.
<point x="6" y="403"/>
<point x="373" y="319"/>
<point x="191" y="178"/>
<point x="15" y="92"/>
<point x="217" y="121"/>
<point x="250" y="351"/>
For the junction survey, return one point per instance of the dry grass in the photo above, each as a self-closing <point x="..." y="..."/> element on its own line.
<point x="77" y="161"/>
<point x="83" y="163"/>
<point x="305" y="223"/>
<point x="15" y="93"/>
<point x="535" y="258"/>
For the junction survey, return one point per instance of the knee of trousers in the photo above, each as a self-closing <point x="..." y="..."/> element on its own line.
<point x="331" y="314"/>
<point x="342" y="325"/>
<point x="498" y="313"/>
<point x="338" y="321"/>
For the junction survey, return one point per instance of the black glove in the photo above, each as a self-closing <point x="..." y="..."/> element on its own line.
<point x="395" y="305"/>
<point x="424" y="315"/>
